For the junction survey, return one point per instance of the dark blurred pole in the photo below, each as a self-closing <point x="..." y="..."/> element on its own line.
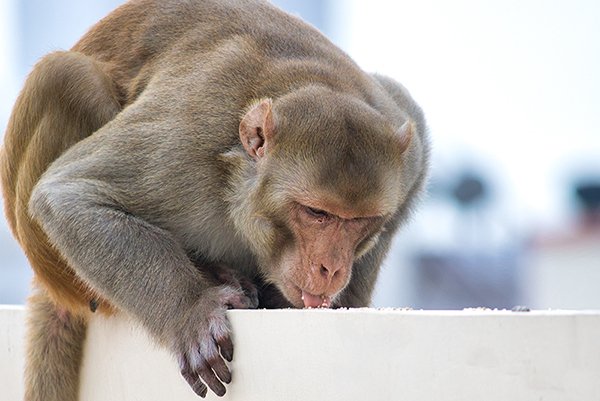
<point x="587" y="193"/>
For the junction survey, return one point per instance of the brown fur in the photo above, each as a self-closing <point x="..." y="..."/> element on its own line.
<point x="183" y="142"/>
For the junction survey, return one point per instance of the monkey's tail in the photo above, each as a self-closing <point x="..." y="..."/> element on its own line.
<point x="66" y="98"/>
<point x="54" y="351"/>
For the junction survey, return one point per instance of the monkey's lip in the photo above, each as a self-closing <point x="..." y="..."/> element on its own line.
<point x="305" y="299"/>
<point x="315" y="301"/>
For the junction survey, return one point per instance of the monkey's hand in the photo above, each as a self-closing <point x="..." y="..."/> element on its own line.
<point x="227" y="276"/>
<point x="259" y="294"/>
<point x="202" y="340"/>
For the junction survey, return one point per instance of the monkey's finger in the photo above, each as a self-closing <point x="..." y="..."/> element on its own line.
<point x="195" y="383"/>
<point x="219" y="366"/>
<point x="251" y="292"/>
<point x="209" y="377"/>
<point x="226" y="347"/>
<point x="206" y="358"/>
<point x="239" y="300"/>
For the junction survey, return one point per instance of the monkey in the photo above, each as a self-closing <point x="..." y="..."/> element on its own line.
<point x="188" y="157"/>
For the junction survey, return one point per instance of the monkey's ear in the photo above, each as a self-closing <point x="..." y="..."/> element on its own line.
<point x="257" y="128"/>
<point x="404" y="135"/>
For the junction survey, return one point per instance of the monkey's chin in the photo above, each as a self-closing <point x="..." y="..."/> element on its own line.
<point x="293" y="294"/>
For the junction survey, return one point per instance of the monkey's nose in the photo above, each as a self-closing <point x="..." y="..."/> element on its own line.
<point x="328" y="272"/>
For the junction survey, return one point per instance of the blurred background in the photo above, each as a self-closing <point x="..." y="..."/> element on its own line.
<point x="511" y="92"/>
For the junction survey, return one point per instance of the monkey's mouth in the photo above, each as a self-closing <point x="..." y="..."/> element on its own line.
<point x="305" y="299"/>
<point x="315" y="301"/>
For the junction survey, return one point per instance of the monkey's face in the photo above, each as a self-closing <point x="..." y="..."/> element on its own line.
<point x="319" y="227"/>
<point x="317" y="263"/>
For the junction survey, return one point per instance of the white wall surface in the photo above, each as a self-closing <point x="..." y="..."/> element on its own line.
<point x="12" y="335"/>
<point x="363" y="354"/>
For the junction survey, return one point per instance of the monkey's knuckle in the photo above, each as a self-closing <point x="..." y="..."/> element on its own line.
<point x="229" y="291"/>
<point x="245" y="303"/>
<point x="214" y="360"/>
<point x="209" y="350"/>
<point x="184" y="364"/>
<point x="218" y="326"/>
<point x="206" y="373"/>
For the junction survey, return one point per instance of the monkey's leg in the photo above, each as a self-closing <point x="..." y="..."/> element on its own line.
<point x="66" y="98"/>
<point x="54" y="350"/>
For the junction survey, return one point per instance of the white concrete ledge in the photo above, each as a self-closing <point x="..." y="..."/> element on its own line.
<point x="12" y="335"/>
<point x="363" y="354"/>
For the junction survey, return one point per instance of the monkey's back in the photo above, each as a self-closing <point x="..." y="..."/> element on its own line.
<point x="143" y="35"/>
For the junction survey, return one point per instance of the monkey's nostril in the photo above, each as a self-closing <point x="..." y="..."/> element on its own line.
<point x="324" y="271"/>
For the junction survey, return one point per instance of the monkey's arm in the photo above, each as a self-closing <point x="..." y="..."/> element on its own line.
<point x="138" y="266"/>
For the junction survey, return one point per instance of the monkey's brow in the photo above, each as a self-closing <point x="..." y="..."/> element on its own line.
<point x="369" y="219"/>
<point x="357" y="218"/>
<point x="329" y="212"/>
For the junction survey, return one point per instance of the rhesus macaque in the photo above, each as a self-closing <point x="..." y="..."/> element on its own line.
<point x="186" y="157"/>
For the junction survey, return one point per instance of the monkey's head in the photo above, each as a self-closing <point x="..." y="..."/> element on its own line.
<point x="327" y="176"/>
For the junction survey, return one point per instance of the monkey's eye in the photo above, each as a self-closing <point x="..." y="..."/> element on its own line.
<point x="316" y="213"/>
